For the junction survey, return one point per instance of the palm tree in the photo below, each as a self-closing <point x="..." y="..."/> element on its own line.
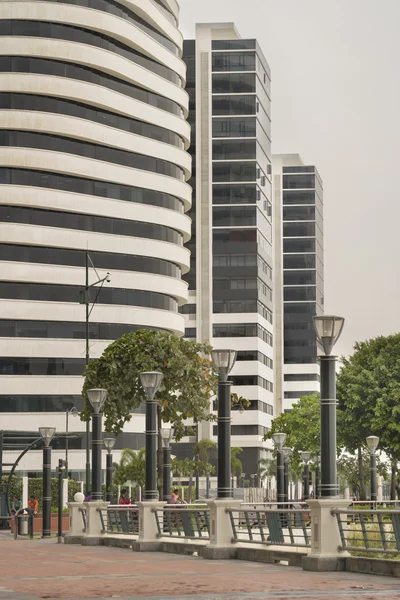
<point x="131" y="467"/>
<point x="236" y="463"/>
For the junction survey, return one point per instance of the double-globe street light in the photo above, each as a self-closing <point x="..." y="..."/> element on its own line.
<point x="279" y="439"/>
<point x="109" y="443"/>
<point x="47" y="434"/>
<point x="306" y="474"/>
<point x="328" y="330"/>
<point x="224" y="361"/>
<point x="373" y="441"/>
<point x="97" y="398"/>
<point x="151" y="381"/>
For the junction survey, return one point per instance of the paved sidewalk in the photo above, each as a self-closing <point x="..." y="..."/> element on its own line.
<point x="33" y="569"/>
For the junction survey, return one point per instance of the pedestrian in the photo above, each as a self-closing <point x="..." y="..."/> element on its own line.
<point x="16" y="505"/>
<point x="175" y="498"/>
<point x="124" y="498"/>
<point x="31" y="509"/>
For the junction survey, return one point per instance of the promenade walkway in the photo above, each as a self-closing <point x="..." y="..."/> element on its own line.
<point x="32" y="569"/>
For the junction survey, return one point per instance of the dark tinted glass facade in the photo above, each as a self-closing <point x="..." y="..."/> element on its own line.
<point x="303" y="263"/>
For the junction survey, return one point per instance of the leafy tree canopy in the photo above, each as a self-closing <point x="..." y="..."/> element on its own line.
<point x="131" y="467"/>
<point x="302" y="427"/>
<point x="368" y="389"/>
<point x="189" y="378"/>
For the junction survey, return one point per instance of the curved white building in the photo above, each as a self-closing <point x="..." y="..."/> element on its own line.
<point x="93" y="137"/>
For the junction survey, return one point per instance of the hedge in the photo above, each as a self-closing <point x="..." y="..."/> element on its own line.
<point x="35" y="488"/>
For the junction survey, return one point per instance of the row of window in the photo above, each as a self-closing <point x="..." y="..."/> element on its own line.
<point x="243" y="330"/>
<point x="42" y="366"/>
<point x="233" y="61"/>
<point x="249" y="305"/>
<point x="235" y="260"/>
<point x="76" y="258"/>
<point x="233" y="44"/>
<point x="59" y="68"/>
<point x="58" y="143"/>
<point x="299" y="261"/>
<point x="298" y="182"/>
<point x="299" y="277"/>
<point x="119" y="10"/>
<point x="65" y="329"/>
<point x="234" y="150"/>
<point x="234" y="105"/>
<point x="299" y="229"/>
<point x="236" y="194"/>
<point x="299" y="245"/>
<point x="298" y="213"/>
<point x="234" y="127"/>
<point x="302" y="377"/>
<point x="235" y="216"/>
<point x="72" y="293"/>
<point x="67" y="220"/>
<point x="81" y="35"/>
<point x="264" y="289"/>
<point x="290" y="395"/>
<point x="89" y="187"/>
<point x="83" y="111"/>
<point x="258" y="430"/>
<point x="252" y="380"/>
<point x="254" y="355"/>
<point x="234" y="83"/>
<point x="299" y="294"/>
<point x="234" y="171"/>
<point x="254" y="405"/>
<point x="298" y="197"/>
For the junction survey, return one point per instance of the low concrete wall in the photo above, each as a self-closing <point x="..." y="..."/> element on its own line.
<point x="267" y="555"/>
<point x="373" y="566"/>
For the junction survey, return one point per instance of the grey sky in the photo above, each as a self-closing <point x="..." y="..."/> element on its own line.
<point x="336" y="101"/>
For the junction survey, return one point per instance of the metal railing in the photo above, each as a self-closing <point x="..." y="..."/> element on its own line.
<point x="189" y="521"/>
<point x="271" y="525"/>
<point x="366" y="530"/>
<point x="83" y="515"/>
<point x="121" y="519"/>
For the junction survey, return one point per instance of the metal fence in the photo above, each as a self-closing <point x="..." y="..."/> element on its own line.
<point x="183" y="521"/>
<point x="263" y="524"/>
<point x="121" y="519"/>
<point x="363" y="530"/>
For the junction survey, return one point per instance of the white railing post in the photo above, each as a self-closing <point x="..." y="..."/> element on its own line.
<point x="147" y="540"/>
<point x="94" y="529"/>
<point x="221" y="545"/>
<point x="325" y="537"/>
<point x="76" y="523"/>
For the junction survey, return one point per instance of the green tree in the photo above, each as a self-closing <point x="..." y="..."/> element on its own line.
<point x="131" y="467"/>
<point x="236" y="463"/>
<point x="203" y="449"/>
<point x="189" y="381"/>
<point x="369" y="398"/>
<point x="302" y="427"/>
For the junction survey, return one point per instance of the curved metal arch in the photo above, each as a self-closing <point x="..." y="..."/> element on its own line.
<point x="13" y="470"/>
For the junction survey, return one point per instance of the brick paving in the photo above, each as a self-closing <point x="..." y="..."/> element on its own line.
<point x="33" y="569"/>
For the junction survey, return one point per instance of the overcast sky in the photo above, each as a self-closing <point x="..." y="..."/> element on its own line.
<point x="336" y="102"/>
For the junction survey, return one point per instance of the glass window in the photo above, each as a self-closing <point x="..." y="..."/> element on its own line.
<point x="80" y="35"/>
<point x="298" y="229"/>
<point x="234" y="150"/>
<point x="302" y="377"/>
<point x="65" y="220"/>
<point x="57" y="143"/>
<point x="233" y="44"/>
<point x="91" y="187"/>
<point x="22" y="64"/>
<point x="298" y="245"/>
<point x="66" y="329"/>
<point x="235" y="194"/>
<point x="298" y="394"/>
<point x="298" y="197"/>
<point x="299" y="213"/>
<point x="299" y="294"/>
<point x="300" y="261"/>
<point x="298" y="181"/>
<point x="72" y="293"/>
<point x="234" y="105"/>
<point x="234" y="216"/>
<point x="298" y="169"/>
<point x="234" y="171"/>
<point x="234" y="61"/>
<point x="299" y="277"/>
<point x="234" y="127"/>
<point x="234" y="83"/>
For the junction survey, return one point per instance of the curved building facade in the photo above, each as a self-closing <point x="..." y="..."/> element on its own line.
<point x="93" y="157"/>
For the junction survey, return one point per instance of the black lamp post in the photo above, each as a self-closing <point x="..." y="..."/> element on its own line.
<point x="328" y="330"/>
<point x="317" y="476"/>
<point x="151" y="381"/>
<point x="97" y="397"/>
<point x="47" y="434"/>
<point x="279" y="439"/>
<point x="109" y="444"/>
<point x="224" y="361"/>
<point x="73" y="412"/>
<point x="306" y="474"/>
<point x="61" y="465"/>
<point x="373" y="442"/>
<point x="286" y="455"/>
<point x="166" y="436"/>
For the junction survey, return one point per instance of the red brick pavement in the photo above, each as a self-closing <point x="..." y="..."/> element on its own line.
<point x="48" y="570"/>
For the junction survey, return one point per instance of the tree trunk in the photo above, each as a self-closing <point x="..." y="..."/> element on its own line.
<point x="393" y="480"/>
<point x="361" y="475"/>
<point x="159" y="456"/>
<point x="190" y="488"/>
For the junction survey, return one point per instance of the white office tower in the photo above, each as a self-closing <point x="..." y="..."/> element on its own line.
<point x="231" y="276"/>
<point x="93" y="137"/>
